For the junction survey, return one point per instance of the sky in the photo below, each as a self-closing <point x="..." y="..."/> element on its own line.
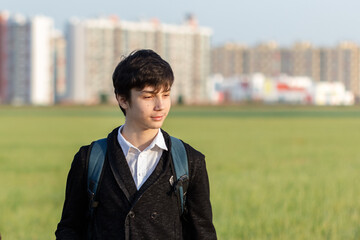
<point x="321" y="22"/>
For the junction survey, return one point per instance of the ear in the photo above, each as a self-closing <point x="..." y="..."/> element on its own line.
<point x="122" y="101"/>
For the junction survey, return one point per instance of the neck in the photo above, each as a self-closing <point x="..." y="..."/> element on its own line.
<point x="139" y="139"/>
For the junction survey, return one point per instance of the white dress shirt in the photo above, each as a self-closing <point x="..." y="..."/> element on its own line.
<point x="142" y="163"/>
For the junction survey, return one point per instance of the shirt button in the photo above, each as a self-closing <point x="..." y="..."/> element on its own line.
<point x="154" y="215"/>
<point x="131" y="214"/>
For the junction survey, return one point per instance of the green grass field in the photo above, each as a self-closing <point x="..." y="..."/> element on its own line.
<point x="276" y="172"/>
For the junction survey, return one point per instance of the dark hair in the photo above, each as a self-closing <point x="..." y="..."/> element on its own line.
<point x="140" y="69"/>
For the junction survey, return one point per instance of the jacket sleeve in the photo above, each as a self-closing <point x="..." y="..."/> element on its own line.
<point x="198" y="218"/>
<point x="73" y="223"/>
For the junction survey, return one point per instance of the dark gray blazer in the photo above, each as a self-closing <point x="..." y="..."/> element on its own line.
<point x="152" y="212"/>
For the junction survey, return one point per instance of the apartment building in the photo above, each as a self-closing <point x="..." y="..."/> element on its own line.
<point x="90" y="59"/>
<point x="4" y="16"/>
<point x="95" y="46"/>
<point x="18" y="60"/>
<point x="231" y="59"/>
<point x="265" y="58"/>
<point x="341" y="64"/>
<point x="327" y="64"/>
<point x="26" y="76"/>
<point x="58" y="65"/>
<point x="42" y="78"/>
<point x="305" y="60"/>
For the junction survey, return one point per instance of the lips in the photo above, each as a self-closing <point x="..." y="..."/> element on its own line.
<point x="157" y="118"/>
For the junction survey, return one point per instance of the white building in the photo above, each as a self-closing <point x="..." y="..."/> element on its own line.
<point x="90" y="59"/>
<point x="42" y="79"/>
<point x="281" y="89"/>
<point x="95" y="46"/>
<point x="327" y="93"/>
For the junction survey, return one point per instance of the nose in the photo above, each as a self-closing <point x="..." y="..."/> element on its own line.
<point x="159" y="104"/>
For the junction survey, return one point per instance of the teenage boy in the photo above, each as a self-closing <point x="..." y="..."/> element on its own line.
<point x="136" y="198"/>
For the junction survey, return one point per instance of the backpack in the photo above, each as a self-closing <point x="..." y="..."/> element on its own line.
<point x="180" y="167"/>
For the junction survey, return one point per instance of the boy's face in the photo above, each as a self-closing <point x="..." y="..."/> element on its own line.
<point x="147" y="108"/>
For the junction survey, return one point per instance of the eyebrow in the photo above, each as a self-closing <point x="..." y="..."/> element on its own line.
<point x="144" y="91"/>
<point x="153" y="91"/>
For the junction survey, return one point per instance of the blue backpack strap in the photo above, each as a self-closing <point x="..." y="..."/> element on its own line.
<point x="96" y="162"/>
<point x="181" y="167"/>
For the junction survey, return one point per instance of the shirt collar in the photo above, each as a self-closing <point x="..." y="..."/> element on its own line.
<point x="126" y="145"/>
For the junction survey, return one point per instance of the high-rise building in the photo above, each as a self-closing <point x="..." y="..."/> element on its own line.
<point x="130" y="36"/>
<point x="341" y="64"/>
<point x="58" y="46"/>
<point x="233" y="59"/>
<point x="230" y="59"/>
<point x="42" y="85"/>
<point x="287" y="61"/>
<point x="4" y="16"/>
<point x="265" y="58"/>
<point x="27" y="77"/>
<point x="187" y="48"/>
<point x="95" y="46"/>
<point x="306" y="61"/>
<point x="328" y="64"/>
<point x="90" y="59"/>
<point x="19" y="60"/>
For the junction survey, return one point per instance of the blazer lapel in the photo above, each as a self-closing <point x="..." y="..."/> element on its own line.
<point x="121" y="171"/>
<point x="120" y="168"/>
<point x="160" y="171"/>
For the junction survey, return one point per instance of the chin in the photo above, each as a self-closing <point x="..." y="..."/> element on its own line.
<point x="156" y="125"/>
